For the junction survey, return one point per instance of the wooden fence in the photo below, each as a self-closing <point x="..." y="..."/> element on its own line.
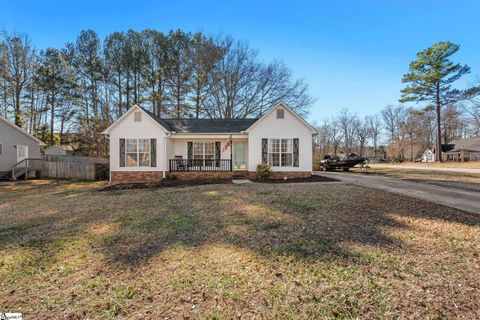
<point x="67" y="167"/>
<point x="54" y="158"/>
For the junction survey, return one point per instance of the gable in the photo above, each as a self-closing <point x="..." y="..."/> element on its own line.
<point x="10" y="126"/>
<point x="281" y="117"/>
<point x="128" y="120"/>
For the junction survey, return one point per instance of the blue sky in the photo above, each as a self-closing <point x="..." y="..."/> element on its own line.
<point x="352" y="53"/>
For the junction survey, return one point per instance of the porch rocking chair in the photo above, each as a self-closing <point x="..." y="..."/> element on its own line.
<point x="181" y="165"/>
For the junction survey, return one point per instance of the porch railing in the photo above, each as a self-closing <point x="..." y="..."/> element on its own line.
<point x="200" y="165"/>
<point x="25" y="166"/>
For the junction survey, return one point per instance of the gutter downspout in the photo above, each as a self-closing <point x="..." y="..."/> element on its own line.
<point x="109" y="165"/>
<point x="165" y="164"/>
<point x="247" y="160"/>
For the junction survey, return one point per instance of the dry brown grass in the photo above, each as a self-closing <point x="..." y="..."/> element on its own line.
<point x="466" y="181"/>
<point x="315" y="250"/>
<point x="468" y="164"/>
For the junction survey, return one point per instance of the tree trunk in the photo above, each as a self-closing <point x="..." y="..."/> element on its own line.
<point x="197" y="104"/>
<point x="18" y="119"/>
<point x="178" y="97"/>
<point x="52" y="120"/>
<point x="135" y="91"/>
<point x="159" y="98"/>
<point x="411" y="149"/>
<point x="128" y="91"/>
<point x="120" y="104"/>
<point x="32" y="112"/>
<point x="438" y="153"/>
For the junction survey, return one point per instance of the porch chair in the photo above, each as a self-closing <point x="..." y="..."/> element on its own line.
<point x="181" y="165"/>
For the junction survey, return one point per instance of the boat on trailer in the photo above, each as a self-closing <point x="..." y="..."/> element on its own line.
<point x="331" y="162"/>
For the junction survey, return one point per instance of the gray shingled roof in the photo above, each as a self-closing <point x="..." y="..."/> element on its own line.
<point x="210" y="125"/>
<point x="204" y="125"/>
<point x="472" y="144"/>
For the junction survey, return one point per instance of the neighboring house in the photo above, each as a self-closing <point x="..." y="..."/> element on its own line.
<point x="16" y="145"/>
<point x="60" y="150"/>
<point x="144" y="147"/>
<point x="462" y="150"/>
<point x="428" y="156"/>
<point x="456" y="150"/>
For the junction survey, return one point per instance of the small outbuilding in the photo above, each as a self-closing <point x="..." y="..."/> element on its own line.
<point x="60" y="150"/>
<point x="428" y="156"/>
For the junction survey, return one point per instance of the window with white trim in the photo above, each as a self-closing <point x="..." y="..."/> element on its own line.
<point x="1" y="149"/>
<point x="280" y="152"/>
<point x="137" y="152"/>
<point x="204" y="150"/>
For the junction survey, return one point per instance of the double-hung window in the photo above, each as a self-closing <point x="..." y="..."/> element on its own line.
<point x="203" y="150"/>
<point x="280" y="152"/>
<point x="137" y="152"/>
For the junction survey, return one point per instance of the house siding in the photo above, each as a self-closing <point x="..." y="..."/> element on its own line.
<point x="9" y="138"/>
<point x="127" y="128"/>
<point x="289" y="127"/>
<point x="179" y="146"/>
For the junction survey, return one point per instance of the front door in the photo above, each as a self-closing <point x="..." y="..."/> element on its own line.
<point x="239" y="151"/>
<point x="22" y="152"/>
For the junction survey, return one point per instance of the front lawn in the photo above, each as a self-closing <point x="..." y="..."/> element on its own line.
<point x="466" y="181"/>
<point x="316" y="250"/>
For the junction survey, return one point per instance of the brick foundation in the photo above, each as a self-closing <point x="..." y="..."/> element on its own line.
<point x="155" y="176"/>
<point x="252" y="175"/>
<point x="202" y="175"/>
<point x="136" y="176"/>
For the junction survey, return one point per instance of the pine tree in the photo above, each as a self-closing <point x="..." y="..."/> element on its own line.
<point x="430" y="80"/>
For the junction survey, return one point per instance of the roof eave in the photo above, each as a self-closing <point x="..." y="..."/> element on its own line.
<point x="283" y="104"/>
<point x="107" y="131"/>
<point x="40" y="142"/>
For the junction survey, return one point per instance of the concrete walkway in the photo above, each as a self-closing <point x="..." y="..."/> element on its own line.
<point x="451" y="197"/>
<point x="427" y="168"/>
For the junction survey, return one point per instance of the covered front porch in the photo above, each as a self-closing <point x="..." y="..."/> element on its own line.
<point x="207" y="153"/>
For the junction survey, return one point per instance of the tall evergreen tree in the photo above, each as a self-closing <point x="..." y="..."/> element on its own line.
<point x="114" y="53"/>
<point x="54" y="76"/>
<point x="179" y="72"/>
<point x="430" y="80"/>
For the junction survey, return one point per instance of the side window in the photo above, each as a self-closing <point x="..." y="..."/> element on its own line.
<point x="1" y="149"/>
<point x="137" y="152"/>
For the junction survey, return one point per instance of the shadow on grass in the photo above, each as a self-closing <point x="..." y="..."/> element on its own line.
<point x="311" y="221"/>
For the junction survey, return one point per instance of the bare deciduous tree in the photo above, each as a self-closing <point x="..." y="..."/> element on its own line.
<point x="16" y="67"/>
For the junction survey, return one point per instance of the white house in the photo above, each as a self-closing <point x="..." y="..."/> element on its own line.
<point x="428" y="156"/>
<point x="145" y="148"/>
<point x="19" y="151"/>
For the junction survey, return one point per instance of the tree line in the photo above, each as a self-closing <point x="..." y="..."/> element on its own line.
<point x="396" y="133"/>
<point x="400" y="133"/>
<point x="71" y="94"/>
